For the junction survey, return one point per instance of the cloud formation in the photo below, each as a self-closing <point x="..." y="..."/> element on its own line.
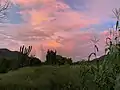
<point x="59" y="24"/>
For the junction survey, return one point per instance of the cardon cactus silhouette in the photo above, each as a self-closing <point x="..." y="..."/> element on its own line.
<point x="25" y="52"/>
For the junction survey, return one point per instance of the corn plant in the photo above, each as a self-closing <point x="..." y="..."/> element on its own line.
<point x="105" y="74"/>
<point x="112" y="49"/>
<point x="96" y="49"/>
<point x="117" y="16"/>
<point x="110" y="67"/>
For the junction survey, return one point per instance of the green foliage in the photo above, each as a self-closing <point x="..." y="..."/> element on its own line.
<point x="49" y="78"/>
<point x="51" y="57"/>
<point x="4" y="64"/>
<point x="33" y="61"/>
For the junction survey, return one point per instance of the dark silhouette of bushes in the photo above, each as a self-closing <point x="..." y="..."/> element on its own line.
<point x="25" y="59"/>
<point x="34" y="61"/>
<point x="4" y="65"/>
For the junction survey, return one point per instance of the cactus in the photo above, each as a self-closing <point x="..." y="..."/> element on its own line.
<point x="24" y="57"/>
<point x="24" y="50"/>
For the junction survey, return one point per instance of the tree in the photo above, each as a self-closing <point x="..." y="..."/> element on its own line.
<point x="69" y="61"/>
<point x="51" y="57"/>
<point x="4" y="6"/>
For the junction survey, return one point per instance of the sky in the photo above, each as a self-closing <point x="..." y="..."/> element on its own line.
<point x="65" y="25"/>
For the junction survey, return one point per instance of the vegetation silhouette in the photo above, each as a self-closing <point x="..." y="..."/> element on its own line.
<point x="53" y="59"/>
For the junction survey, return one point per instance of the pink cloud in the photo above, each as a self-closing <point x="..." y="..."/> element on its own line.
<point x="32" y="2"/>
<point x="55" y="26"/>
<point x="72" y="44"/>
<point x="58" y="26"/>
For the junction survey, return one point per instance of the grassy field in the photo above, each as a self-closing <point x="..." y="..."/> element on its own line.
<point x="48" y="78"/>
<point x="66" y="77"/>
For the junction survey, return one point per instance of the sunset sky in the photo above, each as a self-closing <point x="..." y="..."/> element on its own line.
<point x="64" y="25"/>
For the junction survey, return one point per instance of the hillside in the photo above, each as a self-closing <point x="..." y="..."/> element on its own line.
<point x="45" y="78"/>
<point x="6" y="53"/>
<point x="12" y="60"/>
